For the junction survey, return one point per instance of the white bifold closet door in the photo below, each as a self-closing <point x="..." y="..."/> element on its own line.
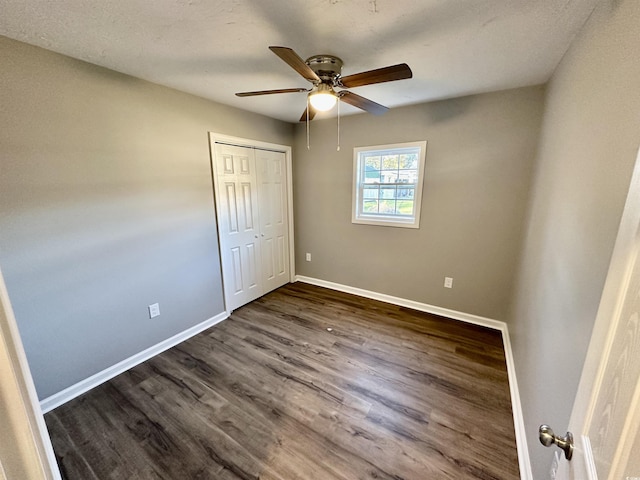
<point x="251" y="206"/>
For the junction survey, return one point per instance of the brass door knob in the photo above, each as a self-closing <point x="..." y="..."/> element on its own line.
<point x="548" y="438"/>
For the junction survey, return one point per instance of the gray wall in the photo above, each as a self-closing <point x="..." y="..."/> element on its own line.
<point x="478" y="164"/>
<point x="589" y="142"/>
<point x="106" y="206"/>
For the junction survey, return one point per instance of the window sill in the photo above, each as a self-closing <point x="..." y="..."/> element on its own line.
<point x="386" y="222"/>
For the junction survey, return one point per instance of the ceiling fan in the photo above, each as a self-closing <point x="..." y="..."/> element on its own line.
<point x="325" y="73"/>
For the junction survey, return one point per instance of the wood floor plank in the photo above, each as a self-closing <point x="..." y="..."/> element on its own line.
<point x="272" y="394"/>
<point x="352" y="433"/>
<point x="413" y="368"/>
<point x="267" y="400"/>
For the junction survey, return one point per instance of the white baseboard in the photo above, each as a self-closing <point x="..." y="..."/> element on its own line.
<point x="518" y="420"/>
<point x="93" y="381"/>
<point x="402" y="302"/>
<point x="524" y="461"/>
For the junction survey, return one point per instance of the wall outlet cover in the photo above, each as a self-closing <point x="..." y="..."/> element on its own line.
<point x="154" y="310"/>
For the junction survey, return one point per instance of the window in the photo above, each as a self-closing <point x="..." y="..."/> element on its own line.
<point x="387" y="184"/>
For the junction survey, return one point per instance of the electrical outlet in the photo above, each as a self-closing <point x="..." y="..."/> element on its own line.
<point x="154" y="310"/>
<point x="308" y="257"/>
<point x="448" y="282"/>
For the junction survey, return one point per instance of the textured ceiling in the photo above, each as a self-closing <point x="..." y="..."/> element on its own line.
<point x="215" y="48"/>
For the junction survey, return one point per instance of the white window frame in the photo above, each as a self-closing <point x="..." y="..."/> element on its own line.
<point x="357" y="216"/>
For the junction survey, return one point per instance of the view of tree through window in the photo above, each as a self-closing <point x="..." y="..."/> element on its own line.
<point x="387" y="183"/>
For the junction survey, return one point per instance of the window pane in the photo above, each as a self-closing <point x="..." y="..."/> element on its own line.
<point x="409" y="161"/>
<point x="372" y="163"/>
<point x="404" y="207"/>
<point x="388" y="206"/>
<point x="371" y="175"/>
<point x="408" y="176"/>
<point x="388" y="192"/>
<point x="390" y="162"/>
<point x="406" y="192"/>
<point x="370" y="192"/>
<point x="389" y="176"/>
<point x="370" y="206"/>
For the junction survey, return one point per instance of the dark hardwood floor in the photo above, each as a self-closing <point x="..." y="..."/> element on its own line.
<point x="271" y="393"/>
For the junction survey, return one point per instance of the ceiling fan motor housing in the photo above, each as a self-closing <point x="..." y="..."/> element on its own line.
<point x="327" y="67"/>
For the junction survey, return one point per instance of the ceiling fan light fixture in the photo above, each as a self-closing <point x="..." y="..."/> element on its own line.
<point x="324" y="98"/>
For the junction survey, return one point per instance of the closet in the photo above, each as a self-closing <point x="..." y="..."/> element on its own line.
<point x="251" y="193"/>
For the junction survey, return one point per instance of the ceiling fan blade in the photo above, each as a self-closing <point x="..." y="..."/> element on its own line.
<point x="269" y="92"/>
<point x="312" y="113"/>
<point x="379" y="75"/>
<point x="362" y="103"/>
<point x="295" y="62"/>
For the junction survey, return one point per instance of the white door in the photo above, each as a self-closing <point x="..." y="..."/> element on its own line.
<point x="238" y="223"/>
<point x="25" y="447"/>
<point x="274" y="225"/>
<point x="605" y="420"/>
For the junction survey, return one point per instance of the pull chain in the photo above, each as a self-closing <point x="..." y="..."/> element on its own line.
<point x="338" y="149"/>
<point x="308" y="146"/>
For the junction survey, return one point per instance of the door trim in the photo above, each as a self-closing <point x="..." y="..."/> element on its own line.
<point x="256" y="144"/>
<point x="589" y="465"/>
<point x="32" y="445"/>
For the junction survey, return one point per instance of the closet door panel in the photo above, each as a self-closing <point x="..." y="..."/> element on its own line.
<point x="274" y="226"/>
<point x="238" y="224"/>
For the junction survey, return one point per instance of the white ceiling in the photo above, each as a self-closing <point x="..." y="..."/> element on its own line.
<point x="215" y="48"/>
